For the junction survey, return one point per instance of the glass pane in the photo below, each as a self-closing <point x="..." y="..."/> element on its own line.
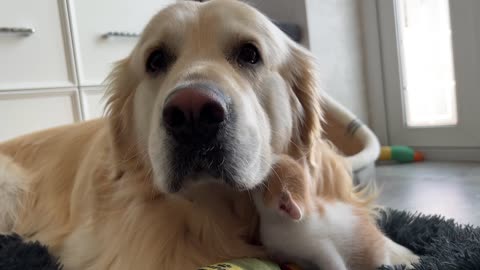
<point x="427" y="62"/>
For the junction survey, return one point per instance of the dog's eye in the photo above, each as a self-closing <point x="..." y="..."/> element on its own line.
<point x="158" y="60"/>
<point x="248" y="54"/>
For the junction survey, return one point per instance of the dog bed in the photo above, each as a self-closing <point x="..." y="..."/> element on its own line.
<point x="441" y="243"/>
<point x="353" y="138"/>
<point x="15" y="254"/>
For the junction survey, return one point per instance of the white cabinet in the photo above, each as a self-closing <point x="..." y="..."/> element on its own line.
<point x="93" y="100"/>
<point x="23" y="112"/>
<point x="55" y="55"/>
<point x="106" y="31"/>
<point x="34" y="45"/>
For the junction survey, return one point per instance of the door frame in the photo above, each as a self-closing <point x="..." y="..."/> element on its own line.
<point x="377" y="86"/>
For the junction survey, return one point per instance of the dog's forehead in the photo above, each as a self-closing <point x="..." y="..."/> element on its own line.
<point x="217" y="10"/>
<point x="236" y="16"/>
<point x="228" y="10"/>
<point x="213" y="27"/>
<point x="215" y="18"/>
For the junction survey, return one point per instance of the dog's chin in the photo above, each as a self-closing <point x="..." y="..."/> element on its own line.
<point x="195" y="180"/>
<point x="177" y="184"/>
<point x="226" y="169"/>
<point x="176" y="173"/>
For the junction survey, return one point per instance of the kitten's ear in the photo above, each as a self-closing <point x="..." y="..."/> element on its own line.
<point x="288" y="206"/>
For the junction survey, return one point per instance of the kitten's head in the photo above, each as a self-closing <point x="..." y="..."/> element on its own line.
<point x="285" y="192"/>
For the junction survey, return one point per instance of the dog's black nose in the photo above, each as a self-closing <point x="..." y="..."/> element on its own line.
<point x="195" y="114"/>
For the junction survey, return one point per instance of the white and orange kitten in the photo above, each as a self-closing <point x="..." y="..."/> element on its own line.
<point x="328" y="234"/>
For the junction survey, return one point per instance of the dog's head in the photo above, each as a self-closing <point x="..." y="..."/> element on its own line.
<point x="211" y="91"/>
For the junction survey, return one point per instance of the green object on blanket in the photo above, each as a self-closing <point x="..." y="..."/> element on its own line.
<point x="243" y="264"/>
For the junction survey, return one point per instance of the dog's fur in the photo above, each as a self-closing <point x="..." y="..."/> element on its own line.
<point x="97" y="193"/>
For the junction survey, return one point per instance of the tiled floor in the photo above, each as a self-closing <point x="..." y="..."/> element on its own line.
<point x="447" y="188"/>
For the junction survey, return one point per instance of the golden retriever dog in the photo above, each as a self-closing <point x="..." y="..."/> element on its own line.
<point x="195" y="113"/>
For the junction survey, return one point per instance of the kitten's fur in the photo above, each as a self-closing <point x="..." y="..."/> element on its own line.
<point x="302" y="228"/>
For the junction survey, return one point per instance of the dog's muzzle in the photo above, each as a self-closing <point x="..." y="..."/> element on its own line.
<point x="199" y="123"/>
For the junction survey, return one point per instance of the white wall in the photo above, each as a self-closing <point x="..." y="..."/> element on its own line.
<point x="333" y="33"/>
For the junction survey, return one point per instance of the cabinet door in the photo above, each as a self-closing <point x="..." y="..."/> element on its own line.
<point x="106" y="31"/>
<point x="34" y="45"/>
<point x="23" y="112"/>
<point x="93" y="100"/>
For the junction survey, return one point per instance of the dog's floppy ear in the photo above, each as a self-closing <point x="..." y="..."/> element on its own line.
<point x="301" y="74"/>
<point x="120" y="91"/>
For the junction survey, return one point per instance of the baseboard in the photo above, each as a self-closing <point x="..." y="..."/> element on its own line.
<point x="450" y="153"/>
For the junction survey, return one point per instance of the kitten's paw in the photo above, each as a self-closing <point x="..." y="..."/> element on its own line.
<point x="400" y="255"/>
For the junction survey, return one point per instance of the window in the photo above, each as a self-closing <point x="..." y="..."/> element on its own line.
<point x="426" y="60"/>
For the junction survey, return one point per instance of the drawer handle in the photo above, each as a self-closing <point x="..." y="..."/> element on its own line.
<point x="17" y="30"/>
<point x="120" y="34"/>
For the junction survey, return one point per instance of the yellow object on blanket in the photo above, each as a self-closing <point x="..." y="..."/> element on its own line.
<point x="243" y="264"/>
<point x="290" y="267"/>
<point x="249" y="264"/>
